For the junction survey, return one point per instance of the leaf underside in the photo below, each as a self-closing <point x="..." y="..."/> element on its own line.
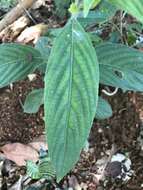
<point x="71" y="93"/>
<point x="16" y="62"/>
<point x="120" y="66"/>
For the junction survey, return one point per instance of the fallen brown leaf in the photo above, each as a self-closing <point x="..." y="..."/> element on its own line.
<point x="39" y="143"/>
<point x="19" y="153"/>
<point x="32" y="33"/>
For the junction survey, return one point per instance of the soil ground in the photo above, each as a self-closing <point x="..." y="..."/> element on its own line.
<point x="16" y="126"/>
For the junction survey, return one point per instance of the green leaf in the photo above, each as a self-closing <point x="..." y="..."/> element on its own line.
<point x="16" y="62"/>
<point x="134" y="7"/>
<point x="104" y="109"/>
<point x="73" y="9"/>
<point x="46" y="169"/>
<point x="103" y="13"/>
<point x="43" y="45"/>
<point x="62" y="7"/>
<point x="5" y="5"/>
<point x="43" y="169"/>
<point x="33" y="101"/>
<point x="88" y="4"/>
<point x="95" y="3"/>
<point x="120" y="66"/>
<point x="71" y="94"/>
<point x="32" y="170"/>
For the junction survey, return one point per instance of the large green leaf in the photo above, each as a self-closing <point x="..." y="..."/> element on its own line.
<point x="134" y="7"/>
<point x="71" y="93"/>
<point x="16" y="62"/>
<point x="120" y="66"/>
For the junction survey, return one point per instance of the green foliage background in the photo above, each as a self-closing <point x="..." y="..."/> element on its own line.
<point x="6" y="4"/>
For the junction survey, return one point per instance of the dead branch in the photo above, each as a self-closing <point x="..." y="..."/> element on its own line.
<point x="15" y="13"/>
<point x="10" y="33"/>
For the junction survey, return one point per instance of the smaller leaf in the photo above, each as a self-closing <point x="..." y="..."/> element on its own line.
<point x="120" y="66"/>
<point x="43" y="169"/>
<point x="16" y="62"/>
<point x="33" y="101"/>
<point x="32" y="170"/>
<point x="88" y="4"/>
<point x="104" y="109"/>
<point x="103" y="13"/>
<point x="43" y="45"/>
<point x="95" y="3"/>
<point x="73" y="9"/>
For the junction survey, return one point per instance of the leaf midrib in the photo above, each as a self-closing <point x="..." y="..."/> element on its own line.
<point x="69" y="89"/>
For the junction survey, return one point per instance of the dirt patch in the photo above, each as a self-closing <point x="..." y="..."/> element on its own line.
<point x="16" y="126"/>
<point x="122" y="129"/>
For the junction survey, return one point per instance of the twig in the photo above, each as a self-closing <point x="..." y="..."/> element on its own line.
<point x="28" y="14"/>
